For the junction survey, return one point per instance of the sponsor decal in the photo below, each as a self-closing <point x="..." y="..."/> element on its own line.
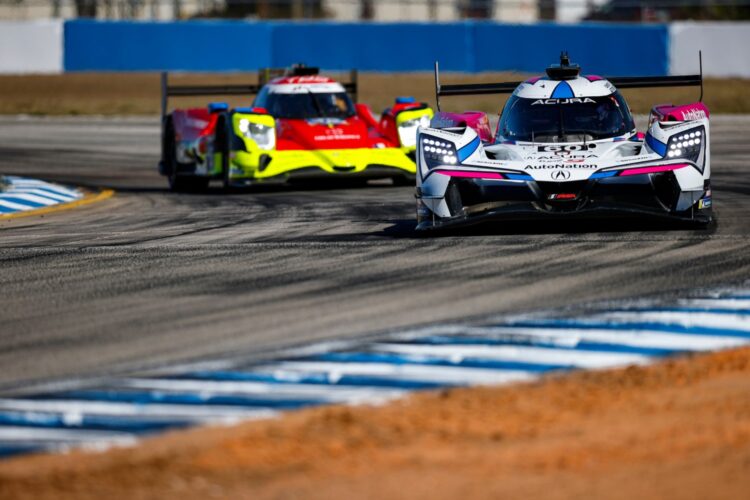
<point x="560" y="165"/>
<point x="306" y="79"/>
<point x="633" y="159"/>
<point x="196" y="123"/>
<point x="330" y="122"/>
<point x="560" y="175"/>
<point x="704" y="203"/>
<point x="485" y="163"/>
<point x="562" y="196"/>
<point x="570" y="100"/>
<point x="335" y="134"/>
<point x="338" y="137"/>
<point x="442" y="123"/>
<point x="693" y="114"/>
<point x="557" y="158"/>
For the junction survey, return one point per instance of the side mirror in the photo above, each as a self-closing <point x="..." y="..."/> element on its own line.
<point x="217" y="107"/>
<point x="365" y="113"/>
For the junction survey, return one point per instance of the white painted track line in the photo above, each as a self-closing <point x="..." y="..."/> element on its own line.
<point x="541" y="355"/>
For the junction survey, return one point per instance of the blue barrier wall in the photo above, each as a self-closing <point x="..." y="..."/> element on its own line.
<point x="147" y="46"/>
<point x="466" y="46"/>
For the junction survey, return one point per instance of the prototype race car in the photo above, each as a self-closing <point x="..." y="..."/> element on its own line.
<point x="301" y="126"/>
<point x="565" y="146"/>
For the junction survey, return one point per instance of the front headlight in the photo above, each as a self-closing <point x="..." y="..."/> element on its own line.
<point x="407" y="130"/>
<point x="438" y="152"/>
<point x="263" y="135"/>
<point x="686" y="145"/>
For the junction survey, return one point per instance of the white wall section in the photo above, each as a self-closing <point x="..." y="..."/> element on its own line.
<point x="724" y="45"/>
<point x="31" y="46"/>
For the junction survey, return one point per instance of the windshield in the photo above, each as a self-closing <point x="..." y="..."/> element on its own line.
<point x="308" y="105"/>
<point x="565" y="120"/>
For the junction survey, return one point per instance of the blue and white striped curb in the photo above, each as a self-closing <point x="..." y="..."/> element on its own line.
<point x="116" y="411"/>
<point x="24" y="194"/>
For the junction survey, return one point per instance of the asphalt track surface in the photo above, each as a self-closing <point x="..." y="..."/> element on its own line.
<point x="149" y="277"/>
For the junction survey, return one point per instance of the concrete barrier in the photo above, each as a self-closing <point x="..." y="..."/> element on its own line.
<point x="724" y="46"/>
<point x="31" y="46"/>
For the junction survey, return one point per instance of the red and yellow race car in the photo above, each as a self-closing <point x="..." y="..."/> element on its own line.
<point x="301" y="126"/>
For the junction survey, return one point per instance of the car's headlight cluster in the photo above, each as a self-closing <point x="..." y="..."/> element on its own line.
<point x="686" y="145"/>
<point x="438" y="152"/>
<point x="407" y="131"/>
<point x="263" y="135"/>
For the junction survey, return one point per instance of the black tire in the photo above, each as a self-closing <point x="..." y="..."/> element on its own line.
<point x="221" y="145"/>
<point x="188" y="184"/>
<point x="404" y="180"/>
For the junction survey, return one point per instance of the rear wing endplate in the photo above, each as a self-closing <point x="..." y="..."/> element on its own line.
<point x="622" y="82"/>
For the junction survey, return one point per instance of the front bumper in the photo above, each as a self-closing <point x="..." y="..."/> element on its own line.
<point x="274" y="166"/>
<point x="471" y="201"/>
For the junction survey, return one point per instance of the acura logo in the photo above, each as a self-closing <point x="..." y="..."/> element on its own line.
<point x="560" y="175"/>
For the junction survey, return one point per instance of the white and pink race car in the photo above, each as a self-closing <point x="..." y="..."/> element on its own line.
<point x="565" y="146"/>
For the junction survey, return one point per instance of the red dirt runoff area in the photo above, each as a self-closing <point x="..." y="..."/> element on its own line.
<point x="679" y="429"/>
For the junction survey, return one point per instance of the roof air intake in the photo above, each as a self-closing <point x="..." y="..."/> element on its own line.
<point x="564" y="70"/>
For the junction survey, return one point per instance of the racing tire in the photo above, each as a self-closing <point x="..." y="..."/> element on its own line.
<point x="222" y="147"/>
<point x="403" y="181"/>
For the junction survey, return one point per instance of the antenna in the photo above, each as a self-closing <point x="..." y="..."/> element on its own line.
<point x="354" y="79"/>
<point x="564" y="58"/>
<point x="437" y="86"/>
<point x="700" y="64"/>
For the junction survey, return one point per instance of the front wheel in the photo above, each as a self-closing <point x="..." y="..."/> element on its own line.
<point x="221" y="143"/>
<point x="403" y="181"/>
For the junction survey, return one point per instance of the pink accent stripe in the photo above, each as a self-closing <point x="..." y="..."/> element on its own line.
<point x="471" y="175"/>
<point x="654" y="169"/>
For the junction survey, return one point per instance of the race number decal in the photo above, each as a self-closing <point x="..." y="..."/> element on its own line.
<point x="563" y="149"/>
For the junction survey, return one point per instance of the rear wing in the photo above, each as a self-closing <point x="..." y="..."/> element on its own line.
<point x="264" y="76"/>
<point x="168" y="91"/>
<point x="622" y="82"/>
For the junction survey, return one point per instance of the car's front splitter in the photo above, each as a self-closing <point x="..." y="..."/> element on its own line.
<point x="314" y="173"/>
<point x="521" y="212"/>
<point x="260" y="166"/>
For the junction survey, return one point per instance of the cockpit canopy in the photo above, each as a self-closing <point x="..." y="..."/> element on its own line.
<point x="306" y="104"/>
<point x="574" y="119"/>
